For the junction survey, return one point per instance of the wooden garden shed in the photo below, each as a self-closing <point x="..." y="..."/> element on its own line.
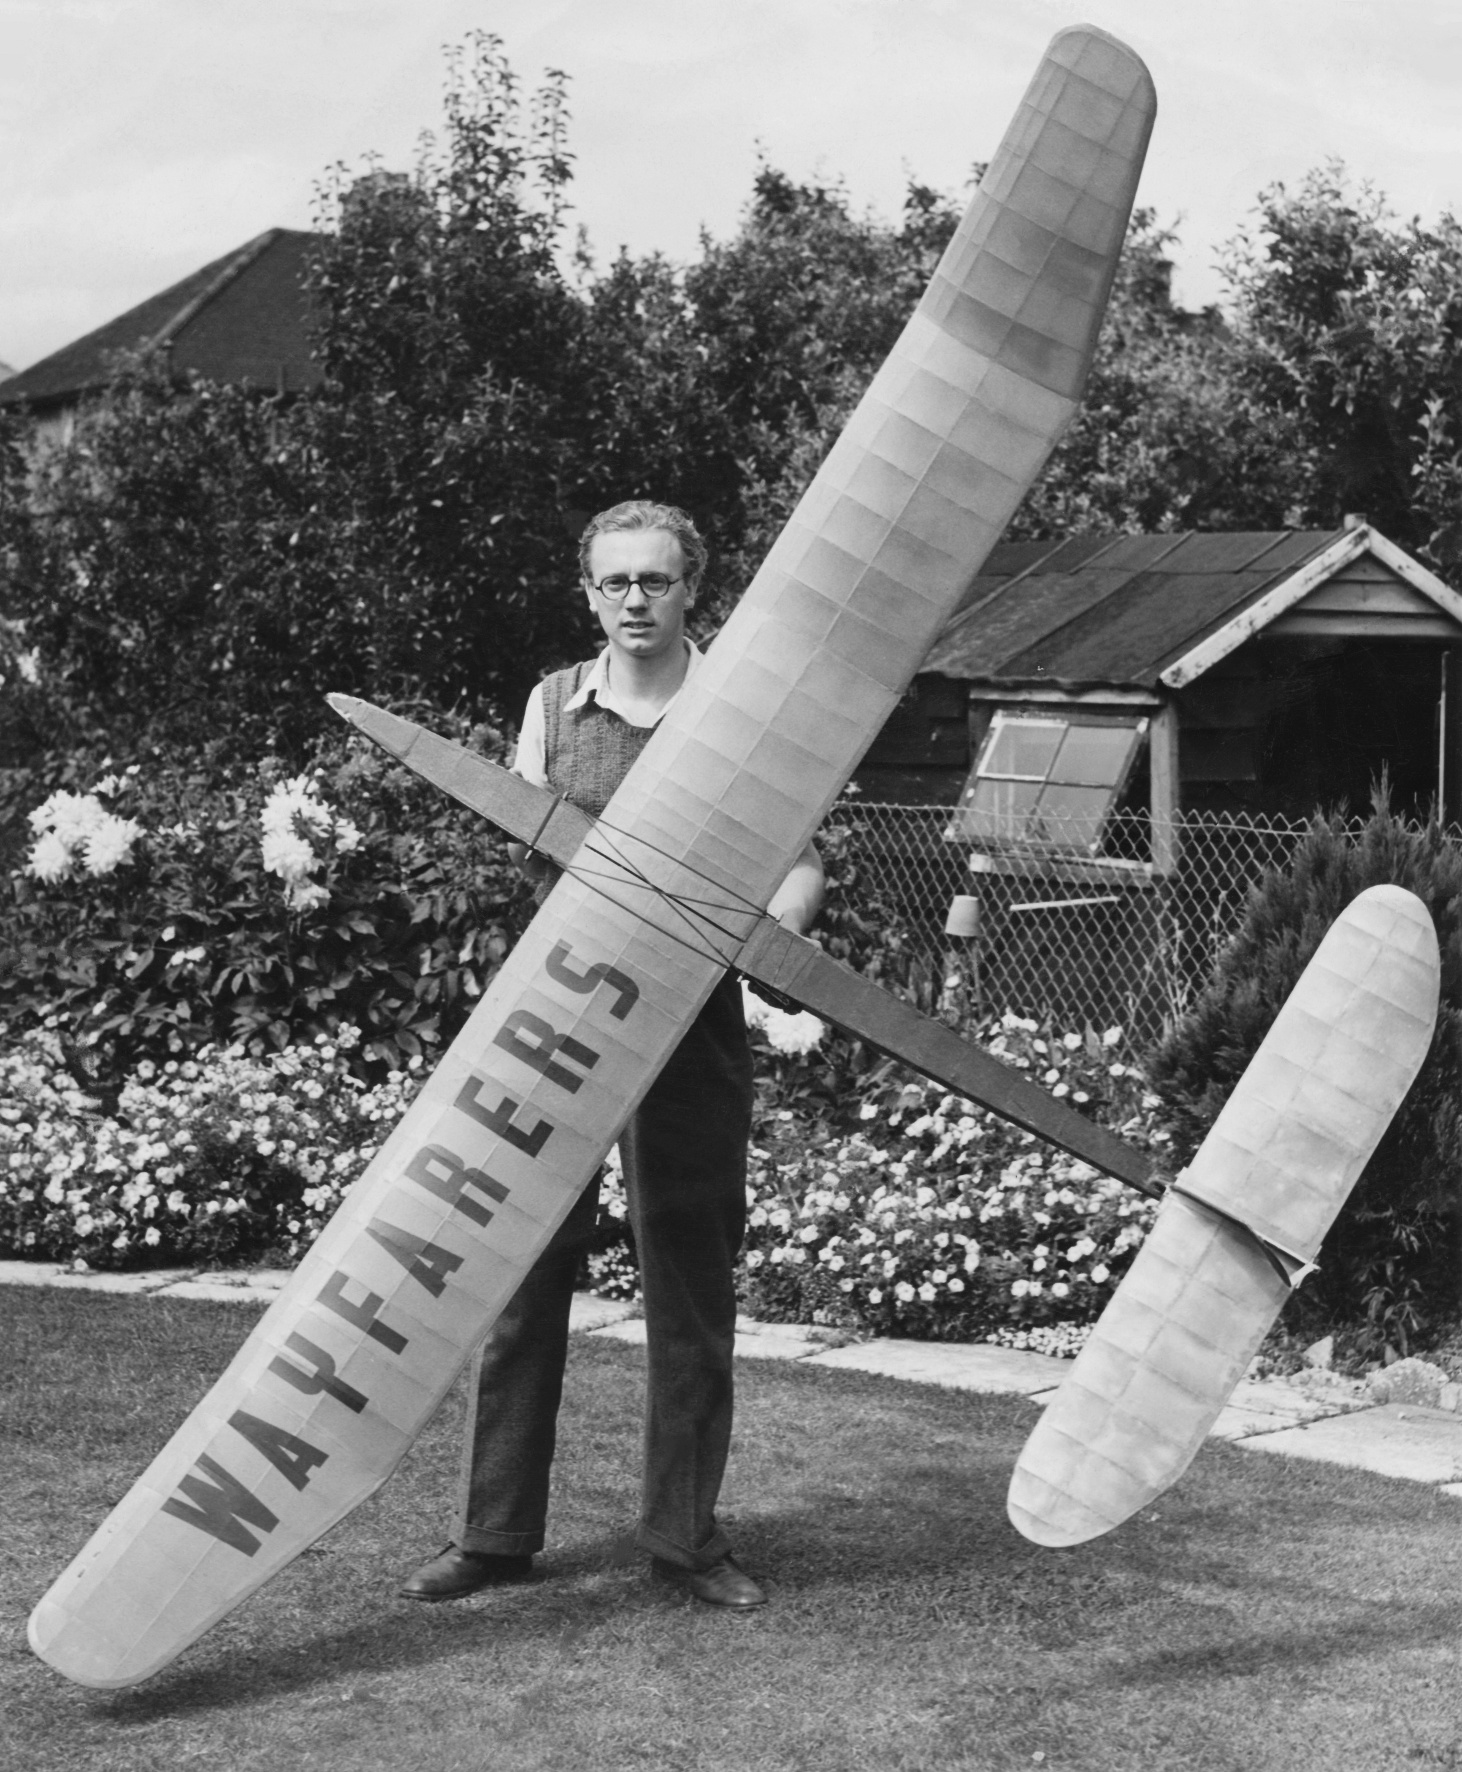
<point x="1261" y="674"/>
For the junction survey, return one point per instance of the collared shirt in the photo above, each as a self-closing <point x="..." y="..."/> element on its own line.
<point x="531" y="760"/>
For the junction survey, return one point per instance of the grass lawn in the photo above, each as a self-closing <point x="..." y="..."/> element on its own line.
<point x="1267" y="1614"/>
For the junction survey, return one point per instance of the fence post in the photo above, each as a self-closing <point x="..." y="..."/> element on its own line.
<point x="1163" y="763"/>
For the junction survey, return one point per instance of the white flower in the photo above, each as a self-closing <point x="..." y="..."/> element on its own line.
<point x="50" y="859"/>
<point x="1100" y="1274"/>
<point x="303" y="896"/>
<point x="904" y="1292"/>
<point x="791" y="1035"/>
<point x="1112" y="1037"/>
<point x="926" y="1292"/>
<point x="71" y="816"/>
<point x="287" y="855"/>
<point x="109" y="844"/>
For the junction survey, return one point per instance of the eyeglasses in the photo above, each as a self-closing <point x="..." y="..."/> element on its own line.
<point x="616" y="586"/>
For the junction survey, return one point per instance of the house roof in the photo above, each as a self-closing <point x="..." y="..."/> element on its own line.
<point x="1138" y="610"/>
<point x="242" y="318"/>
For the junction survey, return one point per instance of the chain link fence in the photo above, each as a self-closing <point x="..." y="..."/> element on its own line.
<point x="1100" y="942"/>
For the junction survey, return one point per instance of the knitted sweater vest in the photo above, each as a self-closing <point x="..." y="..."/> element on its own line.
<point x="587" y="750"/>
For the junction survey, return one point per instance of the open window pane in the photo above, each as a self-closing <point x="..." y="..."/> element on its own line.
<point x="1048" y="781"/>
<point x="1094" y="756"/>
<point x="999" y="811"/>
<point x="1071" y="817"/>
<point x="1024" y="749"/>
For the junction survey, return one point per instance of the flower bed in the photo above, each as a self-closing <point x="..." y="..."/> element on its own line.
<point x="925" y="1217"/>
<point x="930" y="1217"/>
<point x="216" y="1157"/>
<point x="938" y="1220"/>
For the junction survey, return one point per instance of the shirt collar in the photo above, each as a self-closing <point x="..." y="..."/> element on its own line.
<point x="598" y="685"/>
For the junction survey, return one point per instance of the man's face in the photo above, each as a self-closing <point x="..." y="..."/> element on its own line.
<point x="637" y="625"/>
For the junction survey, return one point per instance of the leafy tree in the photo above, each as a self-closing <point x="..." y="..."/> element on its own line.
<point x="794" y="316"/>
<point x="1167" y="437"/>
<point x="207" y="560"/>
<point x="1351" y="321"/>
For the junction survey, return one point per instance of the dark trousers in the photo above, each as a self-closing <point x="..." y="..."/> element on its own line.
<point x="684" y="1157"/>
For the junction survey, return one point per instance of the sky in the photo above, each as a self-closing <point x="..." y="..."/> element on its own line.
<point x="141" y="138"/>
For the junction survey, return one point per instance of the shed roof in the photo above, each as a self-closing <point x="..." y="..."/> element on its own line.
<point x="242" y="318"/>
<point x="1119" y="610"/>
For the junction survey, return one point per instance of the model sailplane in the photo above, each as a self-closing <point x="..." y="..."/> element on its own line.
<point x="657" y="899"/>
<point x="357" y="1352"/>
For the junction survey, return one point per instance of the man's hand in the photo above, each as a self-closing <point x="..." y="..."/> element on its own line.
<point x="529" y="863"/>
<point x="798" y="899"/>
<point x="788" y="1005"/>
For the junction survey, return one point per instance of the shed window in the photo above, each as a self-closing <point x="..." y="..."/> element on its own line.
<point x="1048" y="779"/>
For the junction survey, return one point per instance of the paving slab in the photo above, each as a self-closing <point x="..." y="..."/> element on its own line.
<point x="1234" y="1423"/>
<point x="587" y="1312"/>
<point x="958" y="1366"/>
<point x="135" y="1284"/>
<point x="260" y="1283"/>
<point x="760" y="1341"/>
<point x="1393" y="1440"/>
<point x="1268" y="1406"/>
<point x="55" y="1273"/>
<point x="775" y="1341"/>
<point x="218" y="1292"/>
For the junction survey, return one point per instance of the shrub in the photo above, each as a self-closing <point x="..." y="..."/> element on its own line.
<point x="1391" y="1259"/>
<point x="167" y="909"/>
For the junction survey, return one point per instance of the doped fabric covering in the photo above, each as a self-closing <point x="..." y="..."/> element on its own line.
<point x="355" y="1355"/>
<point x="1238" y="1227"/>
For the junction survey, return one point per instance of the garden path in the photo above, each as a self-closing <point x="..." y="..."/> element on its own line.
<point x="1316" y="1414"/>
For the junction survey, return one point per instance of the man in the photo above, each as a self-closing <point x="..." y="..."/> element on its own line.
<point x="683" y="1151"/>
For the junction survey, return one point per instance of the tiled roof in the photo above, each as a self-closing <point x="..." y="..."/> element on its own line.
<point x="243" y="318"/>
<point x="1111" y="609"/>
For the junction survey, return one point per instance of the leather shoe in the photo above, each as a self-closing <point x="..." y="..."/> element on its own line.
<point x="723" y="1584"/>
<point x="457" y="1572"/>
